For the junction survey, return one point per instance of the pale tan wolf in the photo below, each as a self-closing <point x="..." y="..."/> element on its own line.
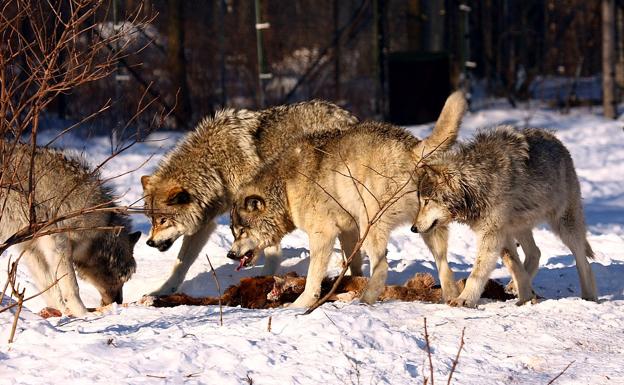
<point x="331" y="184"/>
<point x="64" y="185"/>
<point x="196" y="181"/>
<point x="502" y="184"/>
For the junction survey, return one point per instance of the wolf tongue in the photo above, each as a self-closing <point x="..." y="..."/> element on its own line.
<point x="241" y="263"/>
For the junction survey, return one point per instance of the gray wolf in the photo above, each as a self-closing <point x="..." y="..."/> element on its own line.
<point x="334" y="184"/>
<point x="65" y="185"/>
<point x="502" y="184"/>
<point x="196" y="181"/>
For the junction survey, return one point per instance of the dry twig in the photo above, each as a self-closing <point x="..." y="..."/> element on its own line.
<point x="456" y="360"/>
<point x="214" y="274"/>
<point x="428" y="346"/>
<point x="560" y="373"/>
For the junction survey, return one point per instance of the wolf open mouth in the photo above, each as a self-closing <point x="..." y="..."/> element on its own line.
<point x="245" y="259"/>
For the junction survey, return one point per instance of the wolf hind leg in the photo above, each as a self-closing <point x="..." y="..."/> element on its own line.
<point x="570" y="227"/>
<point x="191" y="247"/>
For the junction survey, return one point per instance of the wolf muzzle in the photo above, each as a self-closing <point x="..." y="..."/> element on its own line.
<point x="161" y="246"/>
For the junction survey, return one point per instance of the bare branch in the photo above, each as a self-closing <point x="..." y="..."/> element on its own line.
<point x="560" y="373"/>
<point x="456" y="360"/>
<point x="214" y="274"/>
<point x="428" y="346"/>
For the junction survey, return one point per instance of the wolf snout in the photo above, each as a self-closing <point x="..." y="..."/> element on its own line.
<point x="232" y="255"/>
<point x="414" y="229"/>
<point x="161" y="246"/>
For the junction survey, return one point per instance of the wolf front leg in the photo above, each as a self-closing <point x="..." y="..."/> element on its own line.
<point x="42" y="273"/>
<point x="321" y="246"/>
<point x="59" y="258"/>
<point x="191" y="247"/>
<point x="437" y="242"/>
<point x="489" y="249"/>
<point x="272" y="260"/>
<point x="375" y="246"/>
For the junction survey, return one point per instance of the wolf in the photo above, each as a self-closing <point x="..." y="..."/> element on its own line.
<point x="196" y="181"/>
<point x="355" y="184"/>
<point x="64" y="185"/>
<point x="502" y="184"/>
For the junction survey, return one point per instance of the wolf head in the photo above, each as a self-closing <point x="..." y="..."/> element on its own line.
<point x="111" y="264"/>
<point x="259" y="219"/>
<point x="173" y="210"/>
<point x="433" y="184"/>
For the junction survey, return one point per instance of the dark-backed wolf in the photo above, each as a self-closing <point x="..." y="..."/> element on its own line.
<point x="196" y="181"/>
<point x="334" y="184"/>
<point x="65" y="185"/>
<point x="502" y="184"/>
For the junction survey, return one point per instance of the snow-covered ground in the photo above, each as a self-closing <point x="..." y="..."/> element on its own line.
<point x="349" y="343"/>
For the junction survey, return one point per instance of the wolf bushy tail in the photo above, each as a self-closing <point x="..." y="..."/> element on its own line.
<point x="445" y="131"/>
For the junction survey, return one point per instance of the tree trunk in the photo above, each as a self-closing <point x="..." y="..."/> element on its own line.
<point x="177" y="62"/>
<point x="608" y="58"/>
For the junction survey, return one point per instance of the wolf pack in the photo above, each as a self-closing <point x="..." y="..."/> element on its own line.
<point x="316" y="167"/>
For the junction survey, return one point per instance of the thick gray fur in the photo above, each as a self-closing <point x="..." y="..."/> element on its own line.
<point x="503" y="183"/>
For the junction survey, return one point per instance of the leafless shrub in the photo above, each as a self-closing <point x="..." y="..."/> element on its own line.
<point x="426" y="380"/>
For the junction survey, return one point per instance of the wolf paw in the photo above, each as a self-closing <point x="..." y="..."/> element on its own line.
<point x="462" y="302"/>
<point x="303" y="301"/>
<point x="451" y="293"/>
<point x="370" y="295"/>
<point x="163" y="291"/>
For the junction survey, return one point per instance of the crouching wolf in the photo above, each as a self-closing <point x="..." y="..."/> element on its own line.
<point x="196" y="181"/>
<point x="502" y="184"/>
<point x="62" y="187"/>
<point x="354" y="184"/>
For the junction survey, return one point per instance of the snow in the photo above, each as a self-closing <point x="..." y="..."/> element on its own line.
<point x="348" y="343"/>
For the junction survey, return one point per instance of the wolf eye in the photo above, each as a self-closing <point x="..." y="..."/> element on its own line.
<point x="162" y="221"/>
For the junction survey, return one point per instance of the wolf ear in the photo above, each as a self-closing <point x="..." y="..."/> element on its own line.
<point x="134" y="237"/>
<point x="177" y="196"/>
<point x="254" y="203"/>
<point x="145" y="181"/>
